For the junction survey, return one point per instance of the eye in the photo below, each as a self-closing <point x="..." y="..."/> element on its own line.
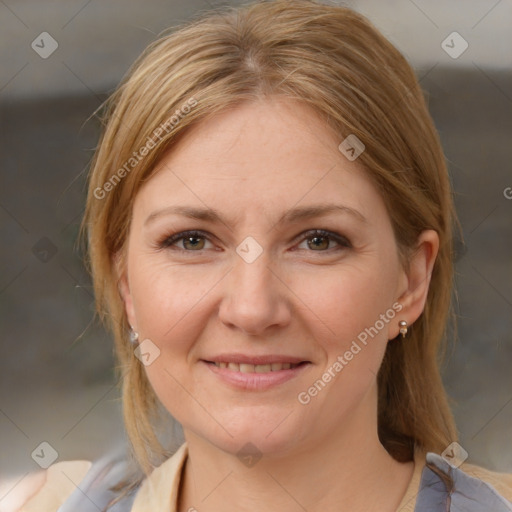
<point x="318" y="240"/>
<point x="192" y="241"/>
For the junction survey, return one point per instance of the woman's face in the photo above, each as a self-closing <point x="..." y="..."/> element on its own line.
<point x="261" y="330"/>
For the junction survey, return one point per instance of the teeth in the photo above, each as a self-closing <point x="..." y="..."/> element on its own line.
<point x="255" y="368"/>
<point x="262" y="368"/>
<point x="246" y="368"/>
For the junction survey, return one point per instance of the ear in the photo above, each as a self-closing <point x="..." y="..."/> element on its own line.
<point x="124" y="290"/>
<point x="416" y="282"/>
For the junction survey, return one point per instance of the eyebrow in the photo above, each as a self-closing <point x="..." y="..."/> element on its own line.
<point x="290" y="216"/>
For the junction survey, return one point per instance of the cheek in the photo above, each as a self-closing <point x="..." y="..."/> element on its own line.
<point x="171" y="307"/>
<point x="354" y="310"/>
<point x="347" y="300"/>
<point x="167" y="298"/>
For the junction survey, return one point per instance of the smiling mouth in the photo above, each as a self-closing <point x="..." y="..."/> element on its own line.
<point x="255" y="373"/>
<point x="256" y="368"/>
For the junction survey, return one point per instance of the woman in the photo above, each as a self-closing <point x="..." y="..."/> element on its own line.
<point x="270" y="224"/>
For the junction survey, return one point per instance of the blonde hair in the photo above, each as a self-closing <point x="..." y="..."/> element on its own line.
<point x="334" y="60"/>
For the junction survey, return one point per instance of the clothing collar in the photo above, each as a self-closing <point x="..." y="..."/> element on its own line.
<point x="426" y="491"/>
<point x="160" y="490"/>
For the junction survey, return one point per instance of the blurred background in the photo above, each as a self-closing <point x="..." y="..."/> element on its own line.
<point x="60" y="60"/>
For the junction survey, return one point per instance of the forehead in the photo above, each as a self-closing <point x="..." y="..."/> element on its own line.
<point x="268" y="155"/>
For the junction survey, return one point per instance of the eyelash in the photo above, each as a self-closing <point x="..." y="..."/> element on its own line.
<point x="168" y="241"/>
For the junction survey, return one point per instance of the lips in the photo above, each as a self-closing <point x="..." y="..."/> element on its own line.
<point x="256" y="373"/>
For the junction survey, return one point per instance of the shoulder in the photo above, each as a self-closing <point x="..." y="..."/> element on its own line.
<point x="502" y="482"/>
<point x="473" y="488"/>
<point x="70" y="486"/>
<point x="44" y="490"/>
<point x="16" y="491"/>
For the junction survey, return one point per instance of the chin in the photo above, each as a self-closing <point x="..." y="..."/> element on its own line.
<point x="263" y="432"/>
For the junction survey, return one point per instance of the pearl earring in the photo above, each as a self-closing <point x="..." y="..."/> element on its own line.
<point x="134" y="336"/>
<point x="403" y="328"/>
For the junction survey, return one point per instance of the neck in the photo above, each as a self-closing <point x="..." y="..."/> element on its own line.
<point x="347" y="469"/>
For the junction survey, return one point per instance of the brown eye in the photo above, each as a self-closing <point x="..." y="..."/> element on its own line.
<point x="194" y="241"/>
<point x="318" y="240"/>
<point x="191" y="241"/>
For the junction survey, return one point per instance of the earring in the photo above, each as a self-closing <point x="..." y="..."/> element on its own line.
<point x="403" y="328"/>
<point x="134" y="336"/>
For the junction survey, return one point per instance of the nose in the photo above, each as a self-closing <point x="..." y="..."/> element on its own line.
<point x="255" y="299"/>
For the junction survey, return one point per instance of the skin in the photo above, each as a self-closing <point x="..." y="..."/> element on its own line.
<point x="252" y="163"/>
